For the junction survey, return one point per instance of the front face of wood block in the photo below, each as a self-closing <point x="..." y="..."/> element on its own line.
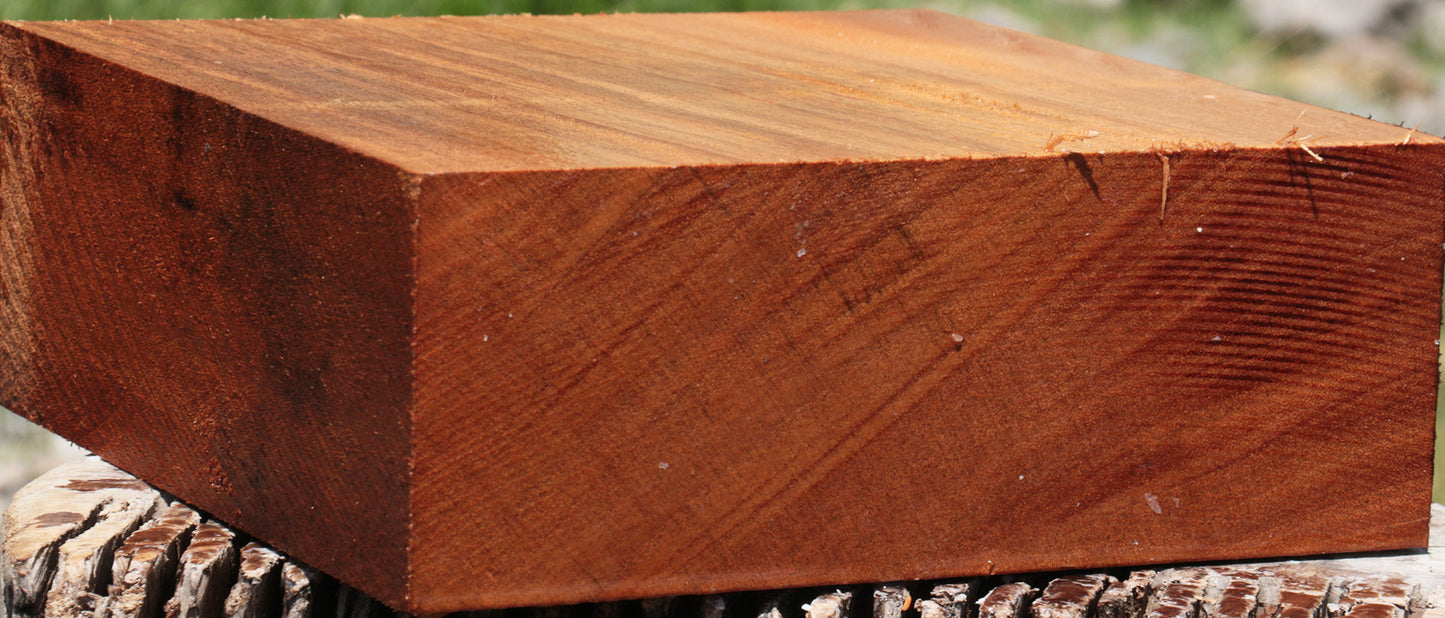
<point x="786" y="375"/>
<point x="191" y="305"/>
<point x="487" y="312"/>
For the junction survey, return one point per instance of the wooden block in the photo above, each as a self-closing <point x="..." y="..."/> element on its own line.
<point x="547" y="310"/>
<point x="1402" y="585"/>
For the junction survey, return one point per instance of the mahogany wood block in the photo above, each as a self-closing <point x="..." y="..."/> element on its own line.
<point x="476" y="312"/>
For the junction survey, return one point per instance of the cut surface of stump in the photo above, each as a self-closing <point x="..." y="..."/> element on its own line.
<point x="1070" y="597"/>
<point x="206" y="571"/>
<point x="1127" y="598"/>
<point x="83" y="568"/>
<point x="54" y="509"/>
<point x="1007" y="601"/>
<point x="143" y="575"/>
<point x="258" y="588"/>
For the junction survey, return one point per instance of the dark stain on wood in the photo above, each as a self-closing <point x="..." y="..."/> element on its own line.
<point x="62" y="518"/>
<point x="102" y="484"/>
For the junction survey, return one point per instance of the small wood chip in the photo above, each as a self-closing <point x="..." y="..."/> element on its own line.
<point x="1070" y="597"/>
<point x="258" y="586"/>
<point x="948" y="601"/>
<point x="144" y="570"/>
<point x="1302" y="596"/>
<point x="1007" y="601"/>
<point x="206" y="569"/>
<point x="891" y="601"/>
<point x="1377" y="597"/>
<point x="1231" y="593"/>
<point x="1179" y="593"/>
<point x="302" y="591"/>
<point x="1128" y="598"/>
<point x="830" y="605"/>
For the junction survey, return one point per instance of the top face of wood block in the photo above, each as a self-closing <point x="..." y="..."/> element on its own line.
<point x="458" y="94"/>
<point x="483" y="312"/>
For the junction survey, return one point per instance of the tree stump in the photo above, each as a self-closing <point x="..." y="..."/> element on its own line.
<point x="63" y="530"/>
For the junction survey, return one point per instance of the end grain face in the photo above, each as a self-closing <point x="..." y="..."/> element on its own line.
<point x="508" y="307"/>
<point x="226" y="298"/>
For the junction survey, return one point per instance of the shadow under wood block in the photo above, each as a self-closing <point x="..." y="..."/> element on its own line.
<point x="551" y="310"/>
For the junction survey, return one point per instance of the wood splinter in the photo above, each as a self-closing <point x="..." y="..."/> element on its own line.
<point x="1411" y="134"/>
<point x="1077" y="136"/>
<point x="1164" y="188"/>
<point x="1289" y="139"/>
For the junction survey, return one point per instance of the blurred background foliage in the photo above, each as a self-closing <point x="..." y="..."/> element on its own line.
<point x="1378" y="58"/>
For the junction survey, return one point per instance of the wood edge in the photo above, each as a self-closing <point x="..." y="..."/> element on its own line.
<point x="1422" y="142"/>
<point x="24" y="406"/>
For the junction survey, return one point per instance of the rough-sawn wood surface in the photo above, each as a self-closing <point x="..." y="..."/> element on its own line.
<point x="167" y="561"/>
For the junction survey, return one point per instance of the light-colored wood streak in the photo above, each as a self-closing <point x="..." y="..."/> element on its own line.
<point x="458" y="94"/>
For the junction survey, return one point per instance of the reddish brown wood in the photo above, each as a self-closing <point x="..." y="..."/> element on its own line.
<point x="1388" y="585"/>
<point x="534" y="310"/>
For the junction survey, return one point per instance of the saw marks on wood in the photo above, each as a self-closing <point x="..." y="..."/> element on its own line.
<point x="453" y="94"/>
<point x="418" y="288"/>
<point x="219" y="574"/>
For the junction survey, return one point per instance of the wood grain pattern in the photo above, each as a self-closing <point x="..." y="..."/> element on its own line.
<point x="1397" y="585"/>
<point x="538" y="310"/>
